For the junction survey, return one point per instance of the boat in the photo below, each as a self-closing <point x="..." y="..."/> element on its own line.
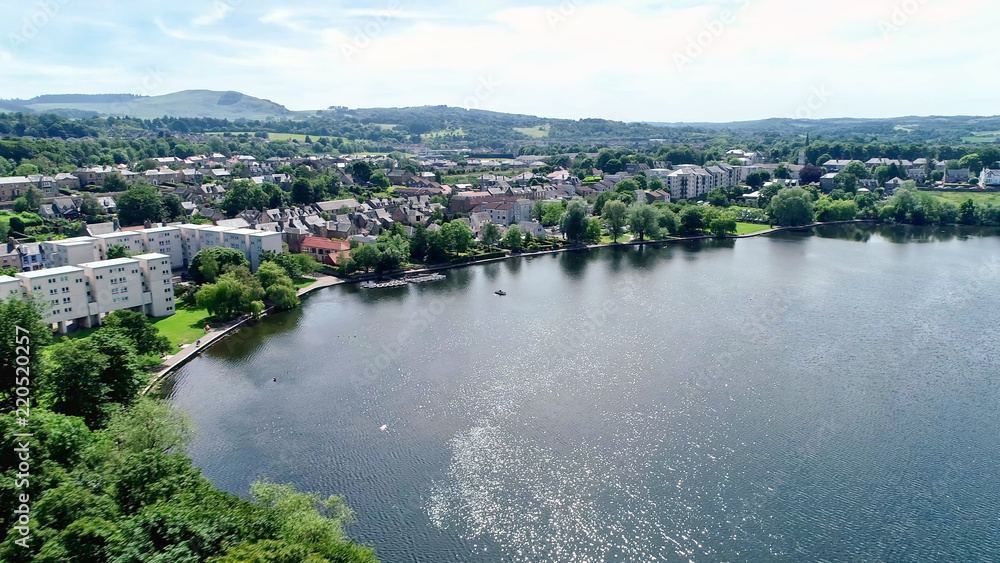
<point x="500" y="292"/>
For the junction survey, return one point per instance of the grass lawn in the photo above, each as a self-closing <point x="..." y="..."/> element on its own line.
<point x="184" y="326"/>
<point x="750" y="228"/>
<point x="606" y="239"/>
<point x="960" y="197"/>
<point x="539" y="132"/>
<point x="301" y="283"/>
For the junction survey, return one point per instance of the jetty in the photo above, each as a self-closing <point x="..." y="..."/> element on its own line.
<point x="426" y="278"/>
<point x="383" y="285"/>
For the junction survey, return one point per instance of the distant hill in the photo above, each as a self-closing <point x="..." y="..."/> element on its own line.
<point x="189" y="103"/>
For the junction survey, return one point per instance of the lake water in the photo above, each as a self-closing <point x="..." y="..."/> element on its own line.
<point x="801" y="396"/>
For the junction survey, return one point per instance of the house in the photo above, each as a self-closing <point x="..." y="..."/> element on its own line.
<point x="989" y="178"/>
<point x="334" y="206"/>
<point x="14" y="187"/>
<point x="31" y="256"/>
<point x="533" y="227"/>
<point x="837" y="165"/>
<point x="826" y="183"/>
<point x="326" y="251"/>
<point x="957" y="176"/>
<point x="918" y="175"/>
<point x="891" y="185"/>
<point x="9" y="257"/>
<point x="93" y="176"/>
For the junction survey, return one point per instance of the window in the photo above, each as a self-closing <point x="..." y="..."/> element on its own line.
<point x="36" y="287"/>
<point x="64" y="279"/>
<point x="167" y="290"/>
<point x="66" y="300"/>
<point x="68" y="310"/>
<point x="55" y="301"/>
<point x="65" y="290"/>
<point x="53" y="291"/>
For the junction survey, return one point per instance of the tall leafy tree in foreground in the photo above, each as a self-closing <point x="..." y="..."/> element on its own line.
<point x="491" y="234"/>
<point x="575" y="220"/>
<point x="792" y="207"/>
<point x="22" y="335"/>
<point x="615" y="217"/>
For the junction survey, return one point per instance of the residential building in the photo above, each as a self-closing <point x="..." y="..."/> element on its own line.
<point x="826" y="183"/>
<point x="957" y="176"/>
<point x="131" y="240"/>
<point x="326" y="251"/>
<point x="14" y="187"/>
<point x="31" y="256"/>
<point x="989" y="178"/>
<point x="164" y="240"/>
<point x="62" y="292"/>
<point x="837" y="165"/>
<point x="114" y="285"/>
<point x="10" y="287"/>
<point x="159" y="286"/>
<point x="69" y="252"/>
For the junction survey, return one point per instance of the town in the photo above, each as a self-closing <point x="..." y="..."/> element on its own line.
<point x="225" y="202"/>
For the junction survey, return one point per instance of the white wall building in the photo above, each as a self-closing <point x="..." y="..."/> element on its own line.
<point x="164" y="240"/>
<point x="114" y="285"/>
<point x="69" y="252"/>
<point x="260" y="242"/>
<point x="129" y="239"/>
<point x="63" y="293"/>
<point x="158" y="294"/>
<point x="989" y="177"/>
<point x="10" y="286"/>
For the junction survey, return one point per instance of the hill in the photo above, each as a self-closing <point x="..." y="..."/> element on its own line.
<point x="189" y="103"/>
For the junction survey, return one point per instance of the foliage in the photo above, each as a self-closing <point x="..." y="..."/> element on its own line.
<point x="644" y="221"/>
<point x="116" y="251"/>
<point x="244" y="194"/>
<point x="692" y="219"/>
<point x="594" y="231"/>
<point x="144" y="336"/>
<point x="230" y="296"/>
<point x="792" y="207"/>
<point x="723" y="224"/>
<point x="209" y="263"/>
<point x="513" y="239"/>
<point x="25" y="314"/>
<point x="458" y="236"/>
<point x="615" y="217"/>
<point x="140" y="203"/>
<point x="490" y="234"/>
<point x="828" y="209"/>
<point x="574" y="221"/>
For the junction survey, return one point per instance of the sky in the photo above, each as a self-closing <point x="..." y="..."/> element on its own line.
<point x="631" y="60"/>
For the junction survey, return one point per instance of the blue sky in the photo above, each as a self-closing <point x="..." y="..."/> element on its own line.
<point x="633" y="60"/>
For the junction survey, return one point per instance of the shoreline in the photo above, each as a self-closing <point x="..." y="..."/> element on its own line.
<point x="185" y="355"/>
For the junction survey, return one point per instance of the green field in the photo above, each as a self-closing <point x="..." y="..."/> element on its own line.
<point x="442" y="132"/>
<point x="184" y="326"/>
<point x="750" y="228"/>
<point x="278" y="136"/>
<point x="981" y="198"/>
<point x="983" y="137"/>
<point x="539" y="132"/>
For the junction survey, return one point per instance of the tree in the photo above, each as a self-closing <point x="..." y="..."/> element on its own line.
<point x="90" y="207"/>
<point x="594" y="231"/>
<point x="114" y="183"/>
<point x="380" y="180"/>
<point x="692" y="219"/>
<point x="846" y="181"/>
<point x="365" y="257"/>
<point x="26" y="169"/>
<point x="393" y="250"/>
<point x="513" y="239"/>
<point x="810" y="174"/>
<point x="122" y="378"/>
<point x="33" y="199"/>
<point x="116" y="251"/>
<point x="792" y="207"/>
<point x="140" y="203"/>
<point x="302" y="192"/>
<point x="644" y="221"/>
<point x="668" y="221"/>
<point x="361" y="170"/>
<point x="143" y="334"/>
<point x="782" y="172"/>
<point x="551" y="214"/>
<point x="173" y="207"/>
<point x="209" y="263"/>
<point x="973" y="162"/>
<point x="458" y="235"/>
<point x="270" y="273"/>
<point x="574" y="221"/>
<point x="723" y="224"/>
<point x="968" y="214"/>
<point x="244" y="194"/>
<point x="757" y="179"/>
<point x="15" y="313"/>
<point x="718" y="198"/>
<point x="491" y="234"/>
<point x="283" y="295"/>
<point x="857" y="169"/>
<point x="17" y="225"/>
<point x="615" y="217"/>
<point x="72" y="379"/>
<point x="230" y="296"/>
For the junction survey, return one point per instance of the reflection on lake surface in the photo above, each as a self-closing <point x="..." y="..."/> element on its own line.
<point x="800" y="396"/>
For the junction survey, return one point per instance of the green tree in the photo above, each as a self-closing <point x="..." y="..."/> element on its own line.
<point x="574" y="221"/>
<point x="857" y="169"/>
<point x="692" y="219"/>
<point x="418" y="243"/>
<point x="595" y="231"/>
<point x="244" y="194"/>
<point x="513" y="239"/>
<point x="723" y="224"/>
<point x="144" y="335"/>
<point x="31" y="200"/>
<point x="668" y="221"/>
<point x="973" y="162"/>
<point x="17" y="225"/>
<point x="72" y="380"/>
<point x="792" y="207"/>
<point x="90" y="207"/>
<point x="20" y="325"/>
<point x="283" y="295"/>
<point x="551" y="214"/>
<point x="140" y="203"/>
<point x="847" y="182"/>
<point x="26" y="169"/>
<point x="380" y="180"/>
<point x="230" y="296"/>
<point x="122" y="378"/>
<point x="209" y="263"/>
<point x="644" y="221"/>
<point x="459" y="236"/>
<point x="393" y="250"/>
<point x="719" y="198"/>
<point x="615" y="217"/>
<point x="491" y="234"/>
<point x="365" y="257"/>
<point x="782" y="172"/>
<point x="173" y="207"/>
<point x="116" y="251"/>
<point x="302" y="192"/>
<point x="756" y="179"/>
<point x="968" y="214"/>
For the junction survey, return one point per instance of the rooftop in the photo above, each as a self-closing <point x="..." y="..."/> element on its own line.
<point x="48" y="272"/>
<point x="108" y="263"/>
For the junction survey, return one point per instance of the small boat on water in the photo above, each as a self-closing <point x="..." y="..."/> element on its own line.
<point x="500" y="292"/>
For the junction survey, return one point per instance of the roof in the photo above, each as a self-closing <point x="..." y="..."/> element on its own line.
<point x="107" y="263"/>
<point x="326" y="244"/>
<point x="151" y="256"/>
<point x="47" y="272"/>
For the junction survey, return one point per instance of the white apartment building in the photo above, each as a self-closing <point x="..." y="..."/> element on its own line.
<point x="62" y="292"/>
<point x="260" y="242"/>
<point x="129" y="239"/>
<point x="157" y="275"/>
<point x="114" y="285"/>
<point x="69" y="252"/>
<point x="10" y="286"/>
<point x="191" y="240"/>
<point x="164" y="240"/>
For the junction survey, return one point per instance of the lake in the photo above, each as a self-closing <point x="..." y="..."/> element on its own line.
<point x="800" y="396"/>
